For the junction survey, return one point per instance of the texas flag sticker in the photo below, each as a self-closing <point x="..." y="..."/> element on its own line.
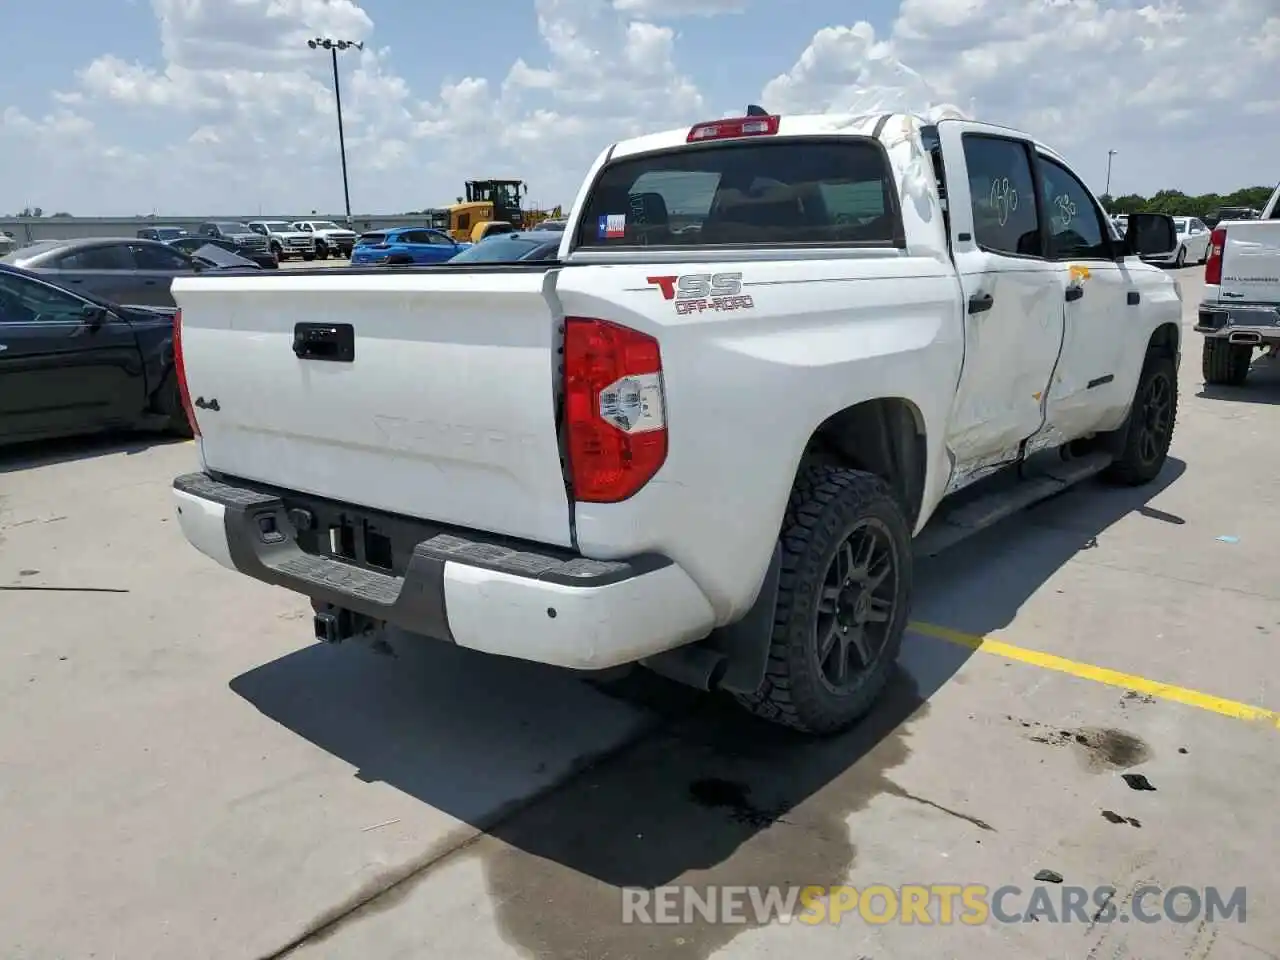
<point x="612" y="226"/>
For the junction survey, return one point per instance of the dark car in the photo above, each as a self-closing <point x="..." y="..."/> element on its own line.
<point x="136" y="271"/>
<point x="1230" y="213"/>
<point x="162" y="233"/>
<point x="213" y="253"/>
<point x="72" y="363"/>
<point x="248" y="242"/>
<point x="510" y="247"/>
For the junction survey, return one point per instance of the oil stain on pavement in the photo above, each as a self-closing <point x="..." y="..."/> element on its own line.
<point x="717" y="798"/>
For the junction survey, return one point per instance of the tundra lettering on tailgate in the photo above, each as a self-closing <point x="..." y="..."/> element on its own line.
<point x="704" y="291"/>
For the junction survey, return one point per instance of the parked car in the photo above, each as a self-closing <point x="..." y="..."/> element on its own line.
<point x="72" y="363"/>
<point x="552" y="223"/>
<point x="405" y="245"/>
<point x="214" y="255"/>
<point x="495" y="467"/>
<point x="533" y="244"/>
<point x="248" y="243"/>
<point x="331" y="239"/>
<point x="118" y="270"/>
<point x="163" y="233"/>
<point x="7" y="243"/>
<point x="284" y="240"/>
<point x="1240" y="310"/>
<point x="1231" y="213"/>
<point x="1193" y="243"/>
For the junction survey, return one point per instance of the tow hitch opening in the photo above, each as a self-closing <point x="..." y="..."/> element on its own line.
<point x="336" y="624"/>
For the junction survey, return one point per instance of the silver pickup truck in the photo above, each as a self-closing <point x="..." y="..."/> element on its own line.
<point x="1240" y="311"/>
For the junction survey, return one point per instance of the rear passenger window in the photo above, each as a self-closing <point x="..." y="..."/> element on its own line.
<point x="797" y="192"/>
<point x="1003" y="196"/>
<point x="1075" y="223"/>
<point x="113" y="257"/>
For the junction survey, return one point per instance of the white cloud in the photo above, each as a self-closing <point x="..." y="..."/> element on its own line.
<point x="1176" y="87"/>
<point x="678" y="8"/>
<point x="237" y="112"/>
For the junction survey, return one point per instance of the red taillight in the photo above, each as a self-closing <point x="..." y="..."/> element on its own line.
<point x="1213" y="259"/>
<point x="615" y="412"/>
<point x="731" y="129"/>
<point x="180" y="371"/>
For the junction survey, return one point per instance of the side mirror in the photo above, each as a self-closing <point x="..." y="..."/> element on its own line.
<point x="1150" y="235"/>
<point x="93" y="316"/>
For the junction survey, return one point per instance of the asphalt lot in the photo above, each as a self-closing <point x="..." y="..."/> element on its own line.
<point x="184" y="774"/>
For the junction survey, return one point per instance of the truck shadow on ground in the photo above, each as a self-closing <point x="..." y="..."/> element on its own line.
<point x="691" y="790"/>
<point x="1262" y="386"/>
<point x="978" y="586"/>
<point x="28" y="456"/>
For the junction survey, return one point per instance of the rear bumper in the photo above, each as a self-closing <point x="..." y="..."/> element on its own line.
<point x="1240" y="322"/>
<point x="531" y="602"/>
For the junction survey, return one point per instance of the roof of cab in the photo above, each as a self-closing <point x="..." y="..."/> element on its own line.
<point x="819" y="125"/>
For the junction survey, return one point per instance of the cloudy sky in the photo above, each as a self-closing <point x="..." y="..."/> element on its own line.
<point x="194" y="106"/>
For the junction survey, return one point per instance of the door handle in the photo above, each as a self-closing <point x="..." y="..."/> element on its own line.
<point x="981" y="302"/>
<point x="1135" y="298"/>
<point x="1074" y="293"/>
<point x="335" y="342"/>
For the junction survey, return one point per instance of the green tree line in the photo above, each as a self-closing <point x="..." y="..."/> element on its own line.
<point x="1178" y="204"/>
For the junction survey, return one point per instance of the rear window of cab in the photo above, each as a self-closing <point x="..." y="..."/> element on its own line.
<point x="812" y="192"/>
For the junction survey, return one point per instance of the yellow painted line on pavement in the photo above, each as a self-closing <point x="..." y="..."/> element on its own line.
<point x="1112" y="678"/>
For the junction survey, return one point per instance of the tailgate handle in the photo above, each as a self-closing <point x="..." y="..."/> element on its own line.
<point x="335" y="342"/>
<point x="1074" y="293"/>
<point x="1135" y="298"/>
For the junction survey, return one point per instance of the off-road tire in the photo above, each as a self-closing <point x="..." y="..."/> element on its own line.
<point x="1132" y="466"/>
<point x="826" y="505"/>
<point x="1225" y="364"/>
<point x="322" y="251"/>
<point x="277" y="249"/>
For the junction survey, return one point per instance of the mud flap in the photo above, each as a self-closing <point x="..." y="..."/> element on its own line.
<point x="745" y="644"/>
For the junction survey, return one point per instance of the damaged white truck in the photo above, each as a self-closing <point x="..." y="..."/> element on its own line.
<point x="771" y="352"/>
<point x="1240" y="310"/>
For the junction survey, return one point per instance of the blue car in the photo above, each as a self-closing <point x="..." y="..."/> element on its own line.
<point x="405" y="245"/>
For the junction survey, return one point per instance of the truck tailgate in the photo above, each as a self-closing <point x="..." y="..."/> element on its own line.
<point x="445" y="412"/>
<point x="1251" y="262"/>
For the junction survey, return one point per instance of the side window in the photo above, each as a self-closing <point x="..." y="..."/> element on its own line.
<point x="1075" y="223"/>
<point x="29" y="301"/>
<point x="414" y="236"/>
<point x="439" y="240"/>
<point x="149" y="257"/>
<point x="464" y="221"/>
<point x="1197" y="226"/>
<point x="114" y="256"/>
<point x="1003" y="196"/>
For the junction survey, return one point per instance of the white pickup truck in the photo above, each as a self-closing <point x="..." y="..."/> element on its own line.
<point x="704" y="437"/>
<point x="1240" y="311"/>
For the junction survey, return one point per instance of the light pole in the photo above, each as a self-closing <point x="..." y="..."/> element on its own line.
<point x="1110" y="154"/>
<point x="333" y="46"/>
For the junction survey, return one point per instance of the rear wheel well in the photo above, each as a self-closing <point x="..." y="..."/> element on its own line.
<point x="885" y="437"/>
<point x="1164" y="340"/>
